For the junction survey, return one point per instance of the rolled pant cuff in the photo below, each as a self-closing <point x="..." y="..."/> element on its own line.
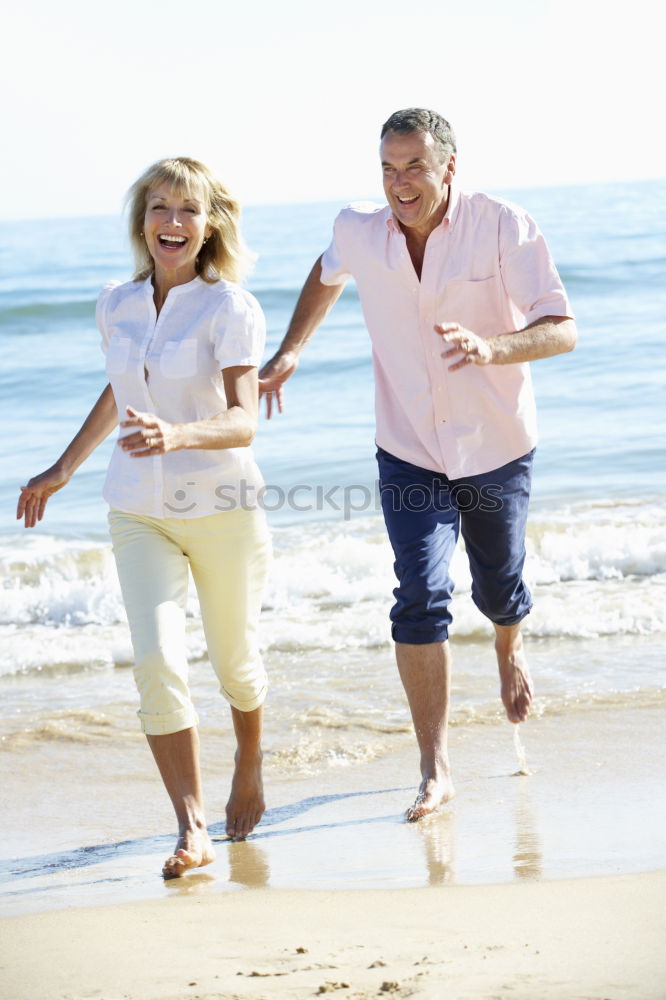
<point x="164" y="725"/>
<point x="509" y="620"/>
<point x="418" y="636"/>
<point x="244" y="705"/>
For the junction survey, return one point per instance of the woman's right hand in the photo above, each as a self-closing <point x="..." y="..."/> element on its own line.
<point x="33" y="498"/>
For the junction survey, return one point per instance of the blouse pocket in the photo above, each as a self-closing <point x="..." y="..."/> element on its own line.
<point x="117" y="355"/>
<point x="178" y="358"/>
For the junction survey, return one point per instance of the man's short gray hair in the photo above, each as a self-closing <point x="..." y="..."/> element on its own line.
<point x="422" y="120"/>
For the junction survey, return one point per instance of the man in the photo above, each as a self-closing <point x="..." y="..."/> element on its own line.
<point x="459" y="293"/>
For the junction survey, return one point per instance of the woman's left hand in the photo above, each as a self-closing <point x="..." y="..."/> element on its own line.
<point x="152" y="436"/>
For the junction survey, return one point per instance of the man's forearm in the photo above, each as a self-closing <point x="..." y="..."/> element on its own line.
<point x="545" y="338"/>
<point x="314" y="302"/>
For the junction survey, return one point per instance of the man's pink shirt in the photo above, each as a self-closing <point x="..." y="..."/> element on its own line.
<point x="487" y="267"/>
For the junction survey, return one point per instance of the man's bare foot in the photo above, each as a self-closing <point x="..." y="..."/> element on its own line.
<point x="246" y="802"/>
<point x="516" y="684"/>
<point x="433" y="793"/>
<point x="193" y="850"/>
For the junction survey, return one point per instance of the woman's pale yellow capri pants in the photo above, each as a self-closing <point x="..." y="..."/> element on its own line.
<point x="228" y="555"/>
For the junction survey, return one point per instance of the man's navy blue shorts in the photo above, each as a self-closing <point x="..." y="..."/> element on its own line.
<point x="424" y="512"/>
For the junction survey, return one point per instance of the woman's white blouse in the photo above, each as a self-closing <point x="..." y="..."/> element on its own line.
<point x="171" y="365"/>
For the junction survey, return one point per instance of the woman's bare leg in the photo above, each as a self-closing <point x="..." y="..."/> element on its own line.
<point x="177" y="757"/>
<point x="246" y="802"/>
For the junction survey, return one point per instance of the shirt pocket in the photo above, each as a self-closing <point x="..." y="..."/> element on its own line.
<point x="178" y="358"/>
<point x="475" y="303"/>
<point x="117" y="355"/>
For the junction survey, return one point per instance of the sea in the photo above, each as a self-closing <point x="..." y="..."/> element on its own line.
<point x="596" y="544"/>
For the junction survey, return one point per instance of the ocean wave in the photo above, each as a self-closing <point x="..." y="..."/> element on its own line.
<point x="322" y="740"/>
<point x="594" y="569"/>
<point x="600" y="540"/>
<point x="281" y="291"/>
<point x="308" y="755"/>
<point x="55" y="310"/>
<point x="614" y="276"/>
<point x="50" y="581"/>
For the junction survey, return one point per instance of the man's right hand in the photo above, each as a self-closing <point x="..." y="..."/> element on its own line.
<point x="273" y="376"/>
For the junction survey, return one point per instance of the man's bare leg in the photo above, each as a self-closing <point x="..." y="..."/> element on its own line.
<point x="246" y="802"/>
<point x="425" y="672"/>
<point x="177" y="757"/>
<point x="516" y="684"/>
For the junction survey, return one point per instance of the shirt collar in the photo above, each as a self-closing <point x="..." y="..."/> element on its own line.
<point x="447" y="222"/>
<point x="176" y="289"/>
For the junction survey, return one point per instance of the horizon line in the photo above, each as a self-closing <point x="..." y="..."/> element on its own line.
<point x="346" y="199"/>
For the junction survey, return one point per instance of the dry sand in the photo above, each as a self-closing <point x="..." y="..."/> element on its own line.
<point x="578" y="939"/>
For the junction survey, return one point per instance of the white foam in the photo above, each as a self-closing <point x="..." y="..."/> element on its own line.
<point x="598" y="542"/>
<point x="595" y="570"/>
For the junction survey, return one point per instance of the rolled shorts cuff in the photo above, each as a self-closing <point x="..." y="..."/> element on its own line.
<point x="247" y="706"/>
<point x="171" y="722"/>
<point x="513" y="619"/>
<point x="418" y="636"/>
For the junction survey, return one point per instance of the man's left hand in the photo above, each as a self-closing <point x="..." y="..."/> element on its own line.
<point x="474" y="349"/>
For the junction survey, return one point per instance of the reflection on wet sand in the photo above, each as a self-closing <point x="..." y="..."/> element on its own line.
<point x="248" y="864"/>
<point x="192" y="884"/>
<point x="527" y="855"/>
<point x="438" y="834"/>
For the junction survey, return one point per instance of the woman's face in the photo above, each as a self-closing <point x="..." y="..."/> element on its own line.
<point x="175" y="226"/>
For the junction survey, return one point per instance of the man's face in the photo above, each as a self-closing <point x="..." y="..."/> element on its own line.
<point x="416" y="180"/>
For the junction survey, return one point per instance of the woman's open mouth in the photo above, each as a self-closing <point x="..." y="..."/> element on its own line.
<point x="171" y="242"/>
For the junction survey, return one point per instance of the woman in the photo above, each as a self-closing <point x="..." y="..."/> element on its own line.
<point x="183" y="342"/>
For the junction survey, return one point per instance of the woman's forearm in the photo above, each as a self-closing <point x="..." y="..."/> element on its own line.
<point x="98" y="424"/>
<point x="96" y="427"/>
<point x="232" y="428"/>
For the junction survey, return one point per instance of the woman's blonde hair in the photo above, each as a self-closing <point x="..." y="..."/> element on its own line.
<point x="224" y="254"/>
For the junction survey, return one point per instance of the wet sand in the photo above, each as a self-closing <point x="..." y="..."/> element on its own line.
<point x="91" y="825"/>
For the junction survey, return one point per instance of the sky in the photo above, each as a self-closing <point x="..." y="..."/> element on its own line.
<point x="284" y="99"/>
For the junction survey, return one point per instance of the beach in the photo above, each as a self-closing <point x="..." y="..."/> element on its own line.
<point x="526" y="886"/>
<point x="565" y="939"/>
<point x="545" y="875"/>
<point x="541" y="884"/>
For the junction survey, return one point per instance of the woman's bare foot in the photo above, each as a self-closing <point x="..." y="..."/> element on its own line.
<point x="515" y="682"/>
<point x="433" y="793"/>
<point x="193" y="850"/>
<point x="246" y="802"/>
